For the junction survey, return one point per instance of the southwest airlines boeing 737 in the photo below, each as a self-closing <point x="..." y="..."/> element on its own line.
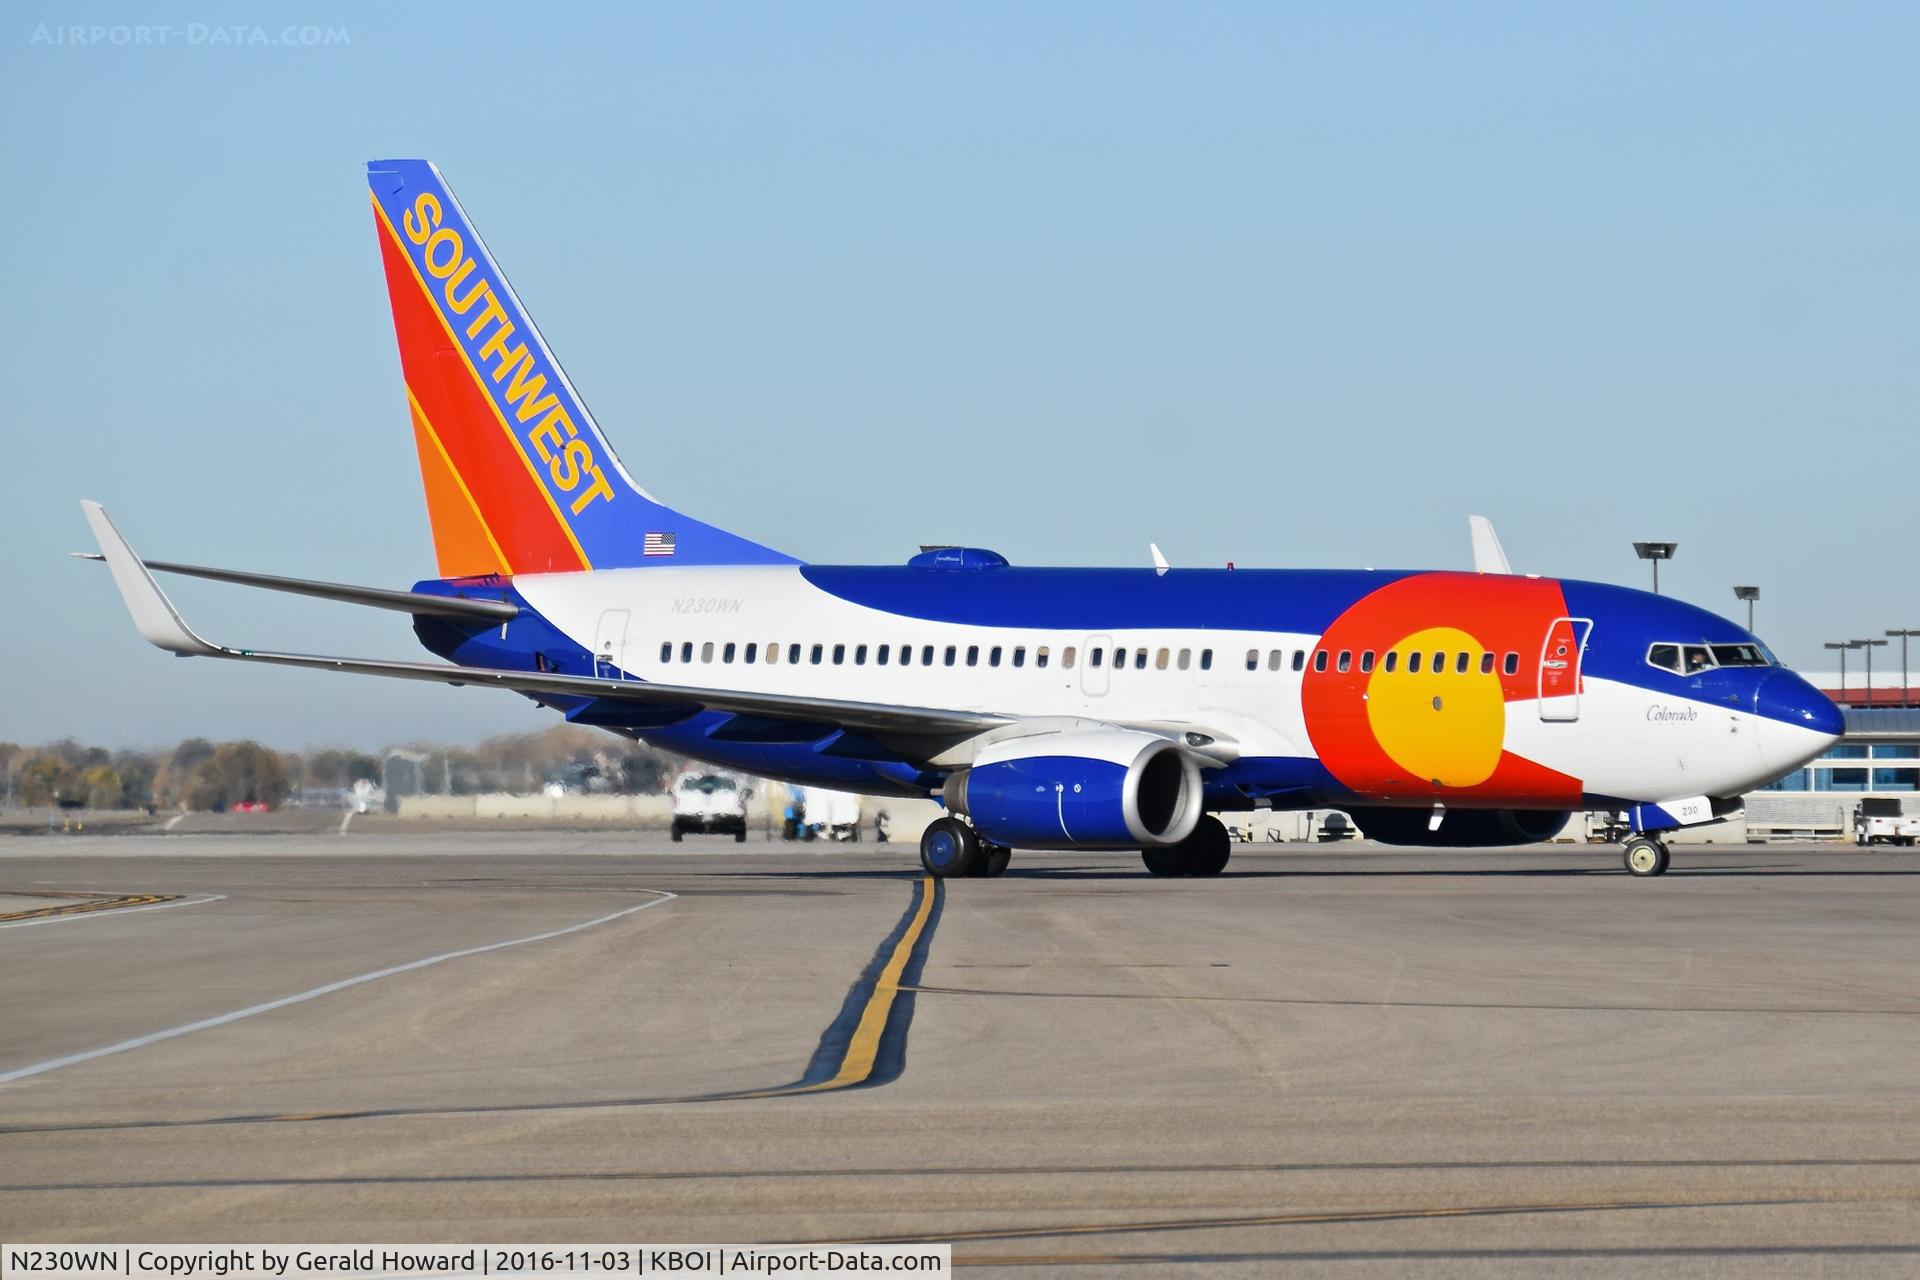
<point x="1048" y="708"/>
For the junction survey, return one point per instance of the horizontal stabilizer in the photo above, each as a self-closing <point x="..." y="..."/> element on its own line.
<point x="419" y="603"/>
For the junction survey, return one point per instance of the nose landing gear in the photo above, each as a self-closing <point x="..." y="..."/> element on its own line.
<point x="1644" y="856"/>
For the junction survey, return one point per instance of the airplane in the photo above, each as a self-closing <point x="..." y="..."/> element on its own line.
<point x="1047" y="708"/>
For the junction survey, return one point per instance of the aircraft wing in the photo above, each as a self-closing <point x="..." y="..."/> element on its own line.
<point x="157" y="619"/>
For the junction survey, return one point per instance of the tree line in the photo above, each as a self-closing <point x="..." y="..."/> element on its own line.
<point x="200" y="774"/>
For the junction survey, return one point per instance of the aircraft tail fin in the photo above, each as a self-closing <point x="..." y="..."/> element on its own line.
<point x="518" y="476"/>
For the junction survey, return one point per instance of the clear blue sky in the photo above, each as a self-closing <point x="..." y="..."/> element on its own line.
<point x="1280" y="284"/>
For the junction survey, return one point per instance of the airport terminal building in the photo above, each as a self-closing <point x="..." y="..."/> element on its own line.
<point x="1880" y="756"/>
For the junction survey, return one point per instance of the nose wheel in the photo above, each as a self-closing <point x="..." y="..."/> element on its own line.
<point x="1644" y="856"/>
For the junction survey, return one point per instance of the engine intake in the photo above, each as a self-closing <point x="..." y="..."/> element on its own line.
<point x="1086" y="789"/>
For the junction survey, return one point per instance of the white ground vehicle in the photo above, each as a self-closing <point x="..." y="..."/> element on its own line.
<point x="709" y="802"/>
<point x="1880" y="820"/>
<point x="833" y="815"/>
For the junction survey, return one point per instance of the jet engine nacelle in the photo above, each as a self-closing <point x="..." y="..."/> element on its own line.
<point x="1460" y="828"/>
<point x="1081" y="788"/>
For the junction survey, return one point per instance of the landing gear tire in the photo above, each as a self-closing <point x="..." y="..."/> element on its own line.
<point x="1208" y="849"/>
<point x="992" y="861"/>
<point x="678" y="833"/>
<point x="1164" y="862"/>
<point x="740" y="834"/>
<point x="1644" y="857"/>
<point x="1203" y="853"/>
<point x="949" y="848"/>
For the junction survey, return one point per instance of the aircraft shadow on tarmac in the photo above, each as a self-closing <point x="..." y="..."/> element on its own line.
<point x="1040" y="871"/>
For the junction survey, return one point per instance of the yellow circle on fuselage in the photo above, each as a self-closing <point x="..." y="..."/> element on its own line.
<point x="1441" y="726"/>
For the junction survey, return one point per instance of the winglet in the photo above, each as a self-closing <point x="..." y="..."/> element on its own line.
<point x="1487" y="554"/>
<point x="152" y="612"/>
<point x="1160" y="565"/>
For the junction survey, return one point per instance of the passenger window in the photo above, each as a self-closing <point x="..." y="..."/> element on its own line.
<point x="686" y="651"/>
<point x="1460" y="665"/>
<point x="1139" y="659"/>
<point x="1366" y="661"/>
<point x="814" y="656"/>
<point x="726" y="654"/>
<point x="1161" y="659"/>
<point x="906" y="655"/>
<point x="859" y="655"/>
<point x="993" y="656"/>
<point x="1392" y="660"/>
<point x="1186" y="659"/>
<point x="1040" y="657"/>
<point x="793" y="655"/>
<point x="1019" y="655"/>
<point x="1206" y="659"/>
<point x="1346" y="659"/>
<point x="1512" y="663"/>
<point x="1274" y="658"/>
<point x="926" y="656"/>
<point x="753" y="651"/>
<point x="952" y="652"/>
<point x="666" y="651"/>
<point x="1439" y="666"/>
<point x="880" y="655"/>
<point x="1253" y="659"/>
<point x="706" y="652"/>
<point x="1066" y="658"/>
<point x="973" y="655"/>
<point x="1413" y="664"/>
<point x="1486" y="664"/>
<point x="773" y="655"/>
<point x="1299" y="659"/>
<point x="1094" y="657"/>
<point x="839" y="654"/>
<point x="1319" y="659"/>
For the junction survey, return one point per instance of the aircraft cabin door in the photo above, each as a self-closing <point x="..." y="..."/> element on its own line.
<point x="1093" y="669"/>
<point x="610" y="644"/>
<point x="1560" y="656"/>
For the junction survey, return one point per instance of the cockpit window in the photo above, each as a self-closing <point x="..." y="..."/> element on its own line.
<point x="1740" y="655"/>
<point x="1686" y="659"/>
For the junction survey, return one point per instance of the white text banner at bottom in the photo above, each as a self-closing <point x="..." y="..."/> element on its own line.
<point x="467" y="1261"/>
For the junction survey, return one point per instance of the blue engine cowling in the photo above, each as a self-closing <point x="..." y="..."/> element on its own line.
<point x="1081" y="789"/>
<point x="1460" y="828"/>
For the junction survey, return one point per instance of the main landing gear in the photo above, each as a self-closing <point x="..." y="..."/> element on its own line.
<point x="1645" y="856"/>
<point x="949" y="848"/>
<point x="1203" y="853"/>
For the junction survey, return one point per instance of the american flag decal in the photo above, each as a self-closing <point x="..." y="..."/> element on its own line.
<point x="657" y="544"/>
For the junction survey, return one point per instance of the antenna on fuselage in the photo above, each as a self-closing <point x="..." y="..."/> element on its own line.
<point x="1488" y="557"/>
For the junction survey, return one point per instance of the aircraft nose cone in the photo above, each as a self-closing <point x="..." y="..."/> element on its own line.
<point x="1789" y="699"/>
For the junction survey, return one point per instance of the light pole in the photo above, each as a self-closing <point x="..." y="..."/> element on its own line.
<point x="1906" y="695"/>
<point x="1656" y="552"/>
<point x="1842" y="646"/>
<point x="1869" y="646"/>
<point x="1749" y="594"/>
